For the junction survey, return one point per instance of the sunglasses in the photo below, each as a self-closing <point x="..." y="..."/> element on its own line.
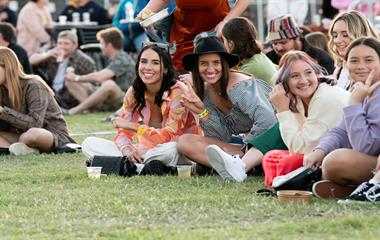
<point x="165" y="46"/>
<point x="204" y="35"/>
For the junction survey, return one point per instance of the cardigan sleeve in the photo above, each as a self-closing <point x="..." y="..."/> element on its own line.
<point x="37" y="101"/>
<point x="302" y="138"/>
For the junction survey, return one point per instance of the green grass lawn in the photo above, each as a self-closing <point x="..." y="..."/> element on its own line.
<point x="50" y="197"/>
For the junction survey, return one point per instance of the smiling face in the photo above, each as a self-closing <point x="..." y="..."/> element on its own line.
<point x="150" y="68"/>
<point x="340" y="36"/>
<point x="67" y="46"/>
<point x="302" y="80"/>
<point x="360" y="61"/>
<point x="210" y="67"/>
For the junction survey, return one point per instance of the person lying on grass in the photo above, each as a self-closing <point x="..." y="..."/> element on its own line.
<point x="347" y="155"/>
<point x="300" y="97"/>
<point x="152" y="113"/>
<point x="30" y="118"/>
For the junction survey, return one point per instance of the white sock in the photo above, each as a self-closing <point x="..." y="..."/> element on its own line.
<point x="374" y="181"/>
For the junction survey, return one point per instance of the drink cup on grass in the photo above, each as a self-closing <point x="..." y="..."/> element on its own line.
<point x="94" y="172"/>
<point x="184" y="170"/>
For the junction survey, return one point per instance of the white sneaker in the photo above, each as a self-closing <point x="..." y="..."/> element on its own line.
<point x="227" y="166"/>
<point x="20" y="148"/>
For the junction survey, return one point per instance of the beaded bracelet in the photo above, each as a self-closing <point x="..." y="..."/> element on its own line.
<point x="203" y="114"/>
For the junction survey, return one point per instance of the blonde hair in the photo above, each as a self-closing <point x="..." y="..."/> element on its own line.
<point x="13" y="74"/>
<point x="357" y="25"/>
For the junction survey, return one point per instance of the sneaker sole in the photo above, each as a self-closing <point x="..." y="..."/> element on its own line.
<point x="20" y="149"/>
<point x="326" y="189"/>
<point x="217" y="163"/>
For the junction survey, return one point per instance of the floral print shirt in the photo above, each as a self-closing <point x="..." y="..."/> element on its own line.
<point x="176" y="120"/>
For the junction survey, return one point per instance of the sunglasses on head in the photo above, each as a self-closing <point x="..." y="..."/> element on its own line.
<point x="163" y="46"/>
<point x="204" y="35"/>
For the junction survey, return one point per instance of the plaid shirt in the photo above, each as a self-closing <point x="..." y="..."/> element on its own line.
<point x="81" y="62"/>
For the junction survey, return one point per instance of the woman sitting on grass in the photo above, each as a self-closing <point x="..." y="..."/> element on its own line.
<point x="300" y="97"/>
<point x="152" y="112"/>
<point x="368" y="191"/>
<point x="226" y="101"/>
<point x="239" y="37"/>
<point x="348" y="153"/>
<point x="30" y="118"/>
<point x="346" y="27"/>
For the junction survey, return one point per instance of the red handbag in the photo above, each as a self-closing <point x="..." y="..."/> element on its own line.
<point x="279" y="162"/>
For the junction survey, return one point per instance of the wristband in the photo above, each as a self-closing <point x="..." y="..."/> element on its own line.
<point x="203" y="114"/>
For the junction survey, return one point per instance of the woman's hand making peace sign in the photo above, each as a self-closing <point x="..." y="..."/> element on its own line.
<point x="189" y="98"/>
<point x="363" y="90"/>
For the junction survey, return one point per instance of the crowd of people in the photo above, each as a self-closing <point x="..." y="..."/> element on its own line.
<point x="224" y="102"/>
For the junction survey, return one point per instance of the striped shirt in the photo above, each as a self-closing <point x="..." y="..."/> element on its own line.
<point x="251" y="113"/>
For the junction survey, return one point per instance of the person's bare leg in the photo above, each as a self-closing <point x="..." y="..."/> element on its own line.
<point x="108" y="90"/>
<point x="79" y="91"/>
<point x="7" y="138"/>
<point x="252" y="158"/>
<point x="377" y="174"/>
<point x="194" y="147"/>
<point x="38" y="138"/>
<point x="348" y="167"/>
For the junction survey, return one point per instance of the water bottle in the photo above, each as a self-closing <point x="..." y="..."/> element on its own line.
<point x="129" y="12"/>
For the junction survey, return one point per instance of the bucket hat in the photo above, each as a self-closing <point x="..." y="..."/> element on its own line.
<point x="205" y="43"/>
<point x="283" y="27"/>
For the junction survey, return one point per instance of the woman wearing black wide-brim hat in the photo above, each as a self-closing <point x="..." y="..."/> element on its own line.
<point x="227" y="102"/>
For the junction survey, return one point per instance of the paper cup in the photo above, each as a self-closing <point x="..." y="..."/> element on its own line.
<point x="62" y="19"/>
<point x="86" y="17"/>
<point x="94" y="172"/>
<point x="184" y="170"/>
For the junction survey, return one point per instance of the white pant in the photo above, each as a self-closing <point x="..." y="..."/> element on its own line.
<point x="166" y="152"/>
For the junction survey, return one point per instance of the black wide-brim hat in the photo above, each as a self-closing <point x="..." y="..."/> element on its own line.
<point x="205" y="43"/>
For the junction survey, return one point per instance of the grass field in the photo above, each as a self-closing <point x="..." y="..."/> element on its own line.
<point x="50" y="197"/>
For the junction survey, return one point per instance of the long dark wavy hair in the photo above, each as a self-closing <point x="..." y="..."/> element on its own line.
<point x="284" y="71"/>
<point x="168" y="78"/>
<point x="198" y="82"/>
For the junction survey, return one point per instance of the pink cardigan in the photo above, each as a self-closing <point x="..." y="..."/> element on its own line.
<point x="31" y="25"/>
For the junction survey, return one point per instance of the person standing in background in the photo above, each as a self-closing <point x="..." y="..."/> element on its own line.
<point x="193" y="17"/>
